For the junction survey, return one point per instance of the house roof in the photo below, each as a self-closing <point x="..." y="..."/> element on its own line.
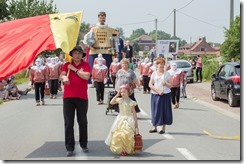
<point x="143" y="37"/>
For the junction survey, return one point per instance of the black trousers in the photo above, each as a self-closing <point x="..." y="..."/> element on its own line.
<point x="39" y="89"/>
<point x="146" y="80"/>
<point x="53" y="85"/>
<point x="70" y="106"/>
<point x="113" y="79"/>
<point x="175" y="95"/>
<point x="99" y="90"/>
<point x="199" y="73"/>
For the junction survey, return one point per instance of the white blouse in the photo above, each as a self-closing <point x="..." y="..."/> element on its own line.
<point x="158" y="80"/>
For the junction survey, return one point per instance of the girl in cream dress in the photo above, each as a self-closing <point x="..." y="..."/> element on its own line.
<point x="121" y="135"/>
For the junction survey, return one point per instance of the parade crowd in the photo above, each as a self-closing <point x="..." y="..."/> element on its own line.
<point x="101" y="63"/>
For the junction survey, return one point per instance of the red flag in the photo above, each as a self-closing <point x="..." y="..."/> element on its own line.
<point x="22" y="40"/>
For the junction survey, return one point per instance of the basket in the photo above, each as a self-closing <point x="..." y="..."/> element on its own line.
<point x="138" y="143"/>
<point x="47" y="91"/>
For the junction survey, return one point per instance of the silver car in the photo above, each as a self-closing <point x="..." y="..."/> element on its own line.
<point x="185" y="66"/>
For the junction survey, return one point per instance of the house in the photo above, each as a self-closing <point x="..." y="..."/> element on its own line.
<point x="201" y="47"/>
<point x="145" y="42"/>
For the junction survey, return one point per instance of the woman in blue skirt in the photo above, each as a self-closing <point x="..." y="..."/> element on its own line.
<point x="161" y="109"/>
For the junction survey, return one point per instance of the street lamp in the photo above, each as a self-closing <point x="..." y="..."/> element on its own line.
<point x="156" y="30"/>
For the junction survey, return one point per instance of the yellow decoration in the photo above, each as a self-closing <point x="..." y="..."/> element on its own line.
<point x="65" y="28"/>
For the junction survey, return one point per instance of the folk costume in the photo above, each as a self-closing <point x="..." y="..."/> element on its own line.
<point x="99" y="40"/>
<point x="99" y="56"/>
<point x="54" y="70"/>
<point x="144" y="74"/>
<point x="121" y="134"/>
<point x="39" y="78"/>
<point x="114" y="67"/>
<point x="100" y="76"/>
<point x="177" y="78"/>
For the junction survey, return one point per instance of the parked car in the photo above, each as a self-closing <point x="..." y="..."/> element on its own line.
<point x="185" y="66"/>
<point x="226" y="83"/>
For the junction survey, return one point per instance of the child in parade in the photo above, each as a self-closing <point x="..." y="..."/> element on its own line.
<point x="121" y="135"/>
<point x="183" y="89"/>
<point x="54" y="71"/>
<point x="177" y="83"/>
<point x="39" y="78"/>
<point x="144" y="72"/>
<point x="114" y="67"/>
<point x="99" y="78"/>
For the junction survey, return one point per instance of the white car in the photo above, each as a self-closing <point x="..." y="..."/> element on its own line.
<point x="185" y="66"/>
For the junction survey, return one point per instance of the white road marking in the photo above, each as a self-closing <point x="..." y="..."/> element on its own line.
<point x="186" y="153"/>
<point x="79" y="155"/>
<point x="143" y="112"/>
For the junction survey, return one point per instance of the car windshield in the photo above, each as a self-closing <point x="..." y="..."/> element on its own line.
<point x="183" y="65"/>
<point x="237" y="70"/>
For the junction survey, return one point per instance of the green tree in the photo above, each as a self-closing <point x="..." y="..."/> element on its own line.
<point x="136" y="47"/>
<point x="4" y="12"/>
<point x="84" y="27"/>
<point x="136" y="33"/>
<point x="231" y="47"/>
<point x="28" y="8"/>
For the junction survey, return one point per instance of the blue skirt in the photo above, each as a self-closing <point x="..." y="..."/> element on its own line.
<point x="161" y="109"/>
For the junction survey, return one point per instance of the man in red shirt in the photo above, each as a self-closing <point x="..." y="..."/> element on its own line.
<point x="75" y="77"/>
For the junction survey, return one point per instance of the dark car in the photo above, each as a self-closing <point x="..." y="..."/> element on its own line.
<point x="226" y="83"/>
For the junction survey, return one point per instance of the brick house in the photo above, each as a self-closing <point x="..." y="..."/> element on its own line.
<point x="201" y="47"/>
<point x="145" y="42"/>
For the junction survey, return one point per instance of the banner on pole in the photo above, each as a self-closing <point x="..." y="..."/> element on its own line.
<point x="168" y="46"/>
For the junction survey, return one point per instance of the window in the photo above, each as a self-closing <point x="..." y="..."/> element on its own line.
<point x="146" y="48"/>
<point x="201" y="49"/>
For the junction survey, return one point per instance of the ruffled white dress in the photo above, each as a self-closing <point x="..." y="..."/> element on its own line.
<point x="121" y="134"/>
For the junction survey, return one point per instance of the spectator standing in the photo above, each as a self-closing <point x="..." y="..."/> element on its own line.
<point x="75" y="75"/>
<point x="152" y="54"/>
<point x="128" y="51"/>
<point x="161" y="109"/>
<point x="119" y="45"/>
<point x="199" y="68"/>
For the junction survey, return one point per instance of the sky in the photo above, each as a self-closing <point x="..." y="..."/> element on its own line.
<point x="194" y="18"/>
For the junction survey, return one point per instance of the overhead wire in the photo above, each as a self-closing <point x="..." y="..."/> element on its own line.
<point x="178" y="10"/>
<point x="200" y="20"/>
<point x="185" y="6"/>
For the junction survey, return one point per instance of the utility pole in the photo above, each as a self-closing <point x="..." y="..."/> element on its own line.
<point x="174" y="23"/>
<point x="231" y="11"/>
<point x="156" y="31"/>
<point x="156" y="38"/>
<point x="174" y="56"/>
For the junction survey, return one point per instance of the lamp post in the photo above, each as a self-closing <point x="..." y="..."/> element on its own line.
<point x="156" y="31"/>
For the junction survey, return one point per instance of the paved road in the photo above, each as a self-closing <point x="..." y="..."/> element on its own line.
<point x="202" y="92"/>
<point x="36" y="133"/>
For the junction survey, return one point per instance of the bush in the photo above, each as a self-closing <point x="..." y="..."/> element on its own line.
<point x="209" y="68"/>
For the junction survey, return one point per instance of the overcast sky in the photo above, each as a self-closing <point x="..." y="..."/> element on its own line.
<point x="194" y="18"/>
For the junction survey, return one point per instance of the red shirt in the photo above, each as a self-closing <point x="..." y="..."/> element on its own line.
<point x="78" y="87"/>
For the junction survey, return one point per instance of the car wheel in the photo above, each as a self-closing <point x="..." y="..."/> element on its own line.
<point x="231" y="101"/>
<point x="213" y="94"/>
